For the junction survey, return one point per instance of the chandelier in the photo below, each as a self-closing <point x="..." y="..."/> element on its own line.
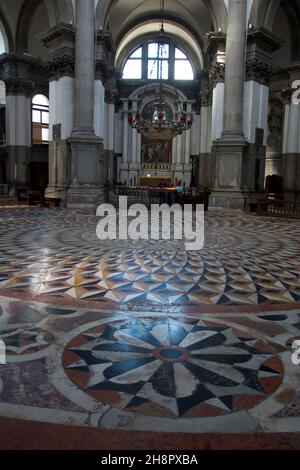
<point x="160" y="128"/>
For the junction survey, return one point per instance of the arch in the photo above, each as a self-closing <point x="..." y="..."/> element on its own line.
<point x="102" y="11"/>
<point x="263" y="13"/>
<point x="59" y="11"/>
<point x="293" y="15"/>
<point x="7" y="34"/>
<point x="182" y="37"/>
<point x="147" y="93"/>
<point x="217" y="9"/>
<point x="218" y="12"/>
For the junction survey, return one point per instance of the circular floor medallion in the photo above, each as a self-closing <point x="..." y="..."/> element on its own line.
<point x="173" y="367"/>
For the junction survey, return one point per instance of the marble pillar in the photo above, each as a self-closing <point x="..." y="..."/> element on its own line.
<point x="229" y="151"/>
<point x="86" y="188"/>
<point x="125" y="147"/>
<point x="235" y="70"/>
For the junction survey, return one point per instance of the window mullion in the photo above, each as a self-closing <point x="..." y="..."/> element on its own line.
<point x="145" y="61"/>
<point x="172" y="62"/>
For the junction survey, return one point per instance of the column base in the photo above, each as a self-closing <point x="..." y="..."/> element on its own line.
<point x="84" y="197"/>
<point x="59" y="192"/>
<point x="230" y="178"/>
<point x="229" y="199"/>
<point x="87" y="172"/>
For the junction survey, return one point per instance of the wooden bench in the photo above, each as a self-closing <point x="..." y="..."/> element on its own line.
<point x="35" y="197"/>
<point x="51" y="201"/>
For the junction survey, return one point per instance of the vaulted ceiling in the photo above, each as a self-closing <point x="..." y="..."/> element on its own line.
<point x="21" y="21"/>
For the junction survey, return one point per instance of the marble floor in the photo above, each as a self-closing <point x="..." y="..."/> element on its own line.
<point x="145" y="336"/>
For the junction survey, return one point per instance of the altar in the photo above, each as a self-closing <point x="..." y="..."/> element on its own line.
<point x="155" y="181"/>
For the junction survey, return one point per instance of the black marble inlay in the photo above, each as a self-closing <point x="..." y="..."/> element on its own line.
<point x="210" y="342"/>
<point x="201" y="395"/>
<point x="251" y="379"/>
<point x="88" y="356"/>
<point x="163" y="380"/>
<point x="205" y="375"/>
<point x="273" y="317"/>
<point x="59" y="311"/>
<point x="224" y="359"/>
<point x="120" y="367"/>
<point x="125" y="388"/>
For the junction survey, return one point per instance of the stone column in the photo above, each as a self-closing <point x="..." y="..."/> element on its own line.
<point x="124" y="168"/>
<point x="187" y="150"/>
<point x="291" y="139"/>
<point x="134" y="165"/>
<point x="187" y="156"/>
<point x="22" y="77"/>
<point x="86" y="188"/>
<point x="179" y="152"/>
<point x="235" y="70"/>
<point x="84" y="68"/>
<point x="133" y="142"/>
<point x="260" y="48"/>
<point x="205" y="160"/>
<point x="230" y="188"/>
<point x="212" y="105"/>
<point x="104" y="104"/>
<point x="215" y="50"/>
<point x="291" y="146"/>
<point x="60" y="42"/>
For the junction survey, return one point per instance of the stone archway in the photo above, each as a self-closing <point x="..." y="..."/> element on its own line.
<point x="58" y="11"/>
<point x="7" y="31"/>
<point x="263" y="13"/>
<point x="217" y="10"/>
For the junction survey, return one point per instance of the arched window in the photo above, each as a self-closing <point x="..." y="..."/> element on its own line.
<point x="183" y="69"/>
<point x="2" y="41"/>
<point x="40" y="119"/>
<point x="133" y="66"/>
<point x="158" y="61"/>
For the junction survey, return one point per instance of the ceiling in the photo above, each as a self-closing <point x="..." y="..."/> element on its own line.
<point x="124" y="14"/>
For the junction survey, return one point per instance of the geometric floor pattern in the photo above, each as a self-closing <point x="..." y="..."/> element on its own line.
<point x="56" y="255"/>
<point x="144" y="336"/>
<point x="172" y="367"/>
<point x="150" y="371"/>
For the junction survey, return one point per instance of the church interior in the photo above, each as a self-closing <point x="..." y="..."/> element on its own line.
<point x="141" y="344"/>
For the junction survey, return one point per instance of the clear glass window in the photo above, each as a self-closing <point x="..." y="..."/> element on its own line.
<point x="133" y="69"/>
<point x="159" y="59"/>
<point x="183" y="70"/>
<point x="40" y="119"/>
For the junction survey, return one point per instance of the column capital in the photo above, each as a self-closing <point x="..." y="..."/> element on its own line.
<point x="217" y="73"/>
<point x="215" y="43"/>
<point x="261" y="44"/>
<point x="258" y="71"/>
<point x="104" y="47"/>
<point x="293" y="71"/>
<point x="215" y="47"/>
<point x="60" y="42"/>
<point x="23" y="75"/>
